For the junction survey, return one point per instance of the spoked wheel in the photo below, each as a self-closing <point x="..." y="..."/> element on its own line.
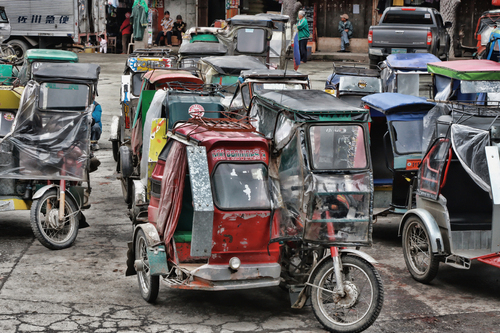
<point x="362" y="302"/>
<point x="48" y="229"/>
<point x="149" y="285"/>
<point x="7" y="50"/>
<point x="420" y="261"/>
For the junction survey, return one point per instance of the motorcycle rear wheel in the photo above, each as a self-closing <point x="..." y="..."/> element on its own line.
<point x="360" y="306"/>
<point x="52" y="233"/>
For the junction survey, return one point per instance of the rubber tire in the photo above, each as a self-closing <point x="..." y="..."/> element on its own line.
<point x="20" y="47"/>
<point x="149" y="294"/>
<point x="115" y="145"/>
<point x="36" y="224"/>
<point x="377" y="299"/>
<point x="433" y="268"/>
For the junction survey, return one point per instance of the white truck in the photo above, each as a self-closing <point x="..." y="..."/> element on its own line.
<point x="53" y="23"/>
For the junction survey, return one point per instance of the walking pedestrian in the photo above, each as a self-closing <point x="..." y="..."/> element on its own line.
<point x="303" y="31"/>
<point x="96" y="130"/>
<point x="126" y="30"/>
<point x="345" y="30"/>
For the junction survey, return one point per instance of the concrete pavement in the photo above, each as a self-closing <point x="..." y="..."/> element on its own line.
<point x="83" y="288"/>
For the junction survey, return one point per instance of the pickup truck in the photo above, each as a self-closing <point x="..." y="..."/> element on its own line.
<point x="408" y="30"/>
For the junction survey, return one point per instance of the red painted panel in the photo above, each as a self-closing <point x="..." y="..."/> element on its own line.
<point x="491" y="259"/>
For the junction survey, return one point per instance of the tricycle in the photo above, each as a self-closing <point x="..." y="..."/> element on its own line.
<point x="138" y="62"/>
<point x="45" y="148"/>
<point x="457" y="193"/>
<point x="34" y="57"/>
<point x="256" y="81"/>
<point x="226" y="70"/>
<point x="351" y="83"/>
<point x="407" y="74"/>
<point x="168" y="97"/>
<point x="322" y="193"/>
<point x="396" y="135"/>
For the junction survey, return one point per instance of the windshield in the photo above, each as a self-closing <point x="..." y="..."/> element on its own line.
<point x="338" y="147"/>
<point x="251" y="40"/>
<point x="415" y="84"/>
<point x="407" y="136"/>
<point x="241" y="186"/>
<point x="64" y="96"/>
<point x="405" y="17"/>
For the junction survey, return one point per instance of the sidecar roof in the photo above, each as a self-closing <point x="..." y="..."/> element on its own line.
<point x="67" y="71"/>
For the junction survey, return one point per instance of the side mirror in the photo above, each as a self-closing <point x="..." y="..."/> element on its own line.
<point x="448" y="24"/>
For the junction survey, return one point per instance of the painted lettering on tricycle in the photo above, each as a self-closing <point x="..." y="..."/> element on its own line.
<point x="239" y="154"/>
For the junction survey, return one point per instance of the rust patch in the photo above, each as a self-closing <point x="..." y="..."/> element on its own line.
<point x="230" y="238"/>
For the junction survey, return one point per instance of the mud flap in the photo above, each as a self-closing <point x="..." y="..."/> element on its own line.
<point x="130" y="260"/>
<point x="83" y="221"/>
<point x="157" y="257"/>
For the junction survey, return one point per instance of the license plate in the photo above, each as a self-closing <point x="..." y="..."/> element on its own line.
<point x="394" y="51"/>
<point x="412" y="164"/>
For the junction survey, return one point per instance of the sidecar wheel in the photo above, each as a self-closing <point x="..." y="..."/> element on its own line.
<point x="420" y="261"/>
<point x="362" y="303"/>
<point x="44" y="219"/>
<point x="149" y="285"/>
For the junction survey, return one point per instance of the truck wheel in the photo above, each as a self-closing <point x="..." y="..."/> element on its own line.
<point x="20" y="47"/>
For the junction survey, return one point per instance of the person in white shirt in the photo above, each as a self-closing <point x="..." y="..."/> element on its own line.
<point x="167" y="24"/>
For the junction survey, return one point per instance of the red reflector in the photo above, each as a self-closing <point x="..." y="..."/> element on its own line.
<point x="409" y="9"/>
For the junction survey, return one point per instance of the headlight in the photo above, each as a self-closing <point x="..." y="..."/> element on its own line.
<point x="234" y="263"/>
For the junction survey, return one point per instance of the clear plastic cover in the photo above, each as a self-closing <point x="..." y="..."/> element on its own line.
<point x="429" y="124"/>
<point x="264" y="119"/>
<point x="48" y="141"/>
<point x="430" y="173"/>
<point x="469" y="144"/>
<point x="341" y="209"/>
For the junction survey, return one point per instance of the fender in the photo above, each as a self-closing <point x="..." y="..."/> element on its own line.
<point x="115" y="129"/>
<point x="152" y="237"/>
<point x="430" y="224"/>
<point x="301" y="300"/>
<point x="81" y="218"/>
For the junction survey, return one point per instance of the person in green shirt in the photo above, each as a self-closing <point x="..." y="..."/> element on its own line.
<point x="345" y="30"/>
<point x="303" y="29"/>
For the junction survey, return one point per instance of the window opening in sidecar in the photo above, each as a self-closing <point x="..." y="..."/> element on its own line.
<point x="136" y="83"/>
<point x="245" y="94"/>
<point x="241" y="186"/>
<point x="3" y="17"/>
<point x="429" y="177"/>
<point x="407" y="136"/>
<point x="251" y="40"/>
<point x="64" y="96"/>
<point x="338" y="147"/>
<point x="414" y="84"/>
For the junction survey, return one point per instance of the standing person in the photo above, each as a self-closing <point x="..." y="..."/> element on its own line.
<point x="95" y="133"/>
<point x="126" y="30"/>
<point x="179" y="28"/>
<point x="167" y="24"/>
<point x="345" y="30"/>
<point x="303" y="29"/>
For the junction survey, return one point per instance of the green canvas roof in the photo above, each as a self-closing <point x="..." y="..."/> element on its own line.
<point x="468" y="70"/>
<point x="51" y="55"/>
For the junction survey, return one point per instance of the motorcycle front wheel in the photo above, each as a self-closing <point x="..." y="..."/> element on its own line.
<point x="362" y="302"/>
<point x="44" y="219"/>
<point x="149" y="285"/>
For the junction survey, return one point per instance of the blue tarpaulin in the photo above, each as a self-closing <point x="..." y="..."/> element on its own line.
<point x="390" y="102"/>
<point x="411" y="61"/>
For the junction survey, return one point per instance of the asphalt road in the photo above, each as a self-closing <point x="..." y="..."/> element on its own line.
<point x="84" y="288"/>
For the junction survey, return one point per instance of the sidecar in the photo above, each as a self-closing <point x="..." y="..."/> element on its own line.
<point x="45" y="148"/>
